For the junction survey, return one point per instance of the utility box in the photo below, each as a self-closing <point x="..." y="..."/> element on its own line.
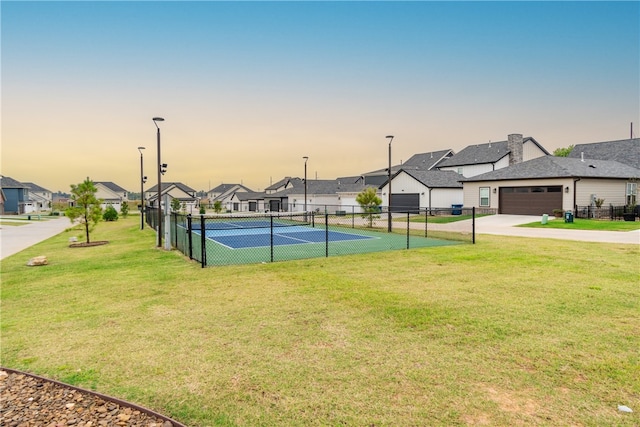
<point x="568" y="216"/>
<point x="545" y="218"/>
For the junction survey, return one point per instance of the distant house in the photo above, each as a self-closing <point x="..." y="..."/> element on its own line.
<point x="284" y="184"/>
<point x="40" y="198"/>
<point x="482" y="158"/>
<point x="431" y="189"/>
<point x="223" y="193"/>
<point x="17" y="195"/>
<point x="248" y="201"/>
<point x="174" y="190"/>
<point x="323" y="195"/>
<point x="546" y="183"/>
<point x="110" y="194"/>
<point x="422" y="161"/>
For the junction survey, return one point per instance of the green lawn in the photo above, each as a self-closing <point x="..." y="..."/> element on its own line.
<point x="444" y="219"/>
<point x="510" y="331"/>
<point x="587" y="224"/>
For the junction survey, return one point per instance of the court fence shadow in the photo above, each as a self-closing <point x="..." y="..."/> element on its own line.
<point x="242" y="238"/>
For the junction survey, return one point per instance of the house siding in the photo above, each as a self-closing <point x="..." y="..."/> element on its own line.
<point x="531" y="151"/>
<point x="613" y="191"/>
<point x="472" y="190"/>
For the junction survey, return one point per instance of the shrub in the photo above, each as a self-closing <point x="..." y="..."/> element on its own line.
<point x="110" y="214"/>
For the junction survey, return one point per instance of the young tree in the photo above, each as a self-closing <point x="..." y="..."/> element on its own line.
<point x="86" y="207"/>
<point x="370" y="204"/>
<point x="175" y="205"/>
<point x="563" y="152"/>
<point x="217" y="206"/>
<point x="124" y="209"/>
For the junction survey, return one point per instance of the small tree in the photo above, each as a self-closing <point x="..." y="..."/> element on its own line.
<point x="202" y="210"/>
<point x="175" y="205"/>
<point x="110" y="214"/>
<point x="370" y="204"/>
<point x="124" y="209"/>
<point x="563" y="152"/>
<point x="86" y="207"/>
<point x="217" y="206"/>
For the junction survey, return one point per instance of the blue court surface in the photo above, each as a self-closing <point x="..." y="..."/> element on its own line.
<point x="261" y="237"/>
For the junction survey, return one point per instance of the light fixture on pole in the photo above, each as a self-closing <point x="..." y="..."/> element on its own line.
<point x="305" y="184"/>
<point x="390" y="137"/>
<point x="143" y="179"/>
<point x="159" y="224"/>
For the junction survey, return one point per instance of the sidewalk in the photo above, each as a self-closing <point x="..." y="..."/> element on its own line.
<point x="15" y="238"/>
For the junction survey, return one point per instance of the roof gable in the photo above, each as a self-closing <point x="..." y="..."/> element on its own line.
<point x="427" y="161"/>
<point x="111" y="186"/>
<point x="35" y="187"/>
<point x="435" y="178"/>
<point x="8" y="182"/>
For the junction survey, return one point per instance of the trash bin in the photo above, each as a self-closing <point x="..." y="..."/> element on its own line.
<point x="456" y="209"/>
<point x="568" y="216"/>
<point x="545" y="218"/>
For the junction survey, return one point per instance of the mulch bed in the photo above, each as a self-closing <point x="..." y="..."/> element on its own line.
<point x="29" y="400"/>
<point x="88" y="245"/>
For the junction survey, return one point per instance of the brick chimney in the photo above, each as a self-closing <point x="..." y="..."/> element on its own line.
<point x="514" y="145"/>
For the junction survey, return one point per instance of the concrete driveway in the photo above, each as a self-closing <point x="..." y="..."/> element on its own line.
<point x="15" y="238"/>
<point x="505" y="225"/>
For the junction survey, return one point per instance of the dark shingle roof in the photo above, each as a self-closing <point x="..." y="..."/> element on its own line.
<point x="250" y="195"/>
<point x="490" y="152"/>
<point x="111" y="186"/>
<point x="287" y="180"/>
<point x="436" y="178"/>
<point x="625" y="151"/>
<point x="8" y="182"/>
<point x="427" y="161"/>
<point x="166" y="185"/>
<point x="225" y="187"/>
<point x="36" y="187"/>
<point x="560" y="167"/>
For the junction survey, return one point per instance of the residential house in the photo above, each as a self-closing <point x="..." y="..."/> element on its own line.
<point x="540" y="185"/>
<point x="481" y="158"/>
<point x="223" y="193"/>
<point x="173" y="190"/>
<point x="3" y="200"/>
<point x="248" y="201"/>
<point x="284" y="184"/>
<point x="40" y="198"/>
<point x="322" y="195"/>
<point x="415" y="188"/>
<point x="17" y="195"/>
<point x="110" y="194"/>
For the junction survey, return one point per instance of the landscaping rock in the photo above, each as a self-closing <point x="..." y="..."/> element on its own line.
<point x="36" y="261"/>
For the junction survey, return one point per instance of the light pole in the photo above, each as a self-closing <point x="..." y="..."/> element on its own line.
<point x="305" y="185"/>
<point x="159" y="225"/>
<point x="390" y="137"/>
<point x="143" y="179"/>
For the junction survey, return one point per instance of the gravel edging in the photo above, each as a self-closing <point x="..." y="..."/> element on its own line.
<point x="29" y="400"/>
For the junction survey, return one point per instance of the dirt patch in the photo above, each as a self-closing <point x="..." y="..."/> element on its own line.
<point x="88" y="245"/>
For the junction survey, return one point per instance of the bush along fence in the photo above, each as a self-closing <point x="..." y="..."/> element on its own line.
<point x="227" y="239"/>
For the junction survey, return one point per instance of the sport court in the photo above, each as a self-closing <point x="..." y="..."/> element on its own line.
<point x="258" y="240"/>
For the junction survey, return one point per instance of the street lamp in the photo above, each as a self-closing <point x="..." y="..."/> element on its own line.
<point x="159" y="225"/>
<point x="305" y="185"/>
<point x="143" y="179"/>
<point x="390" y="137"/>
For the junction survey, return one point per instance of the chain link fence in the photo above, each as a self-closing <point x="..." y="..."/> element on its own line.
<point x="226" y="239"/>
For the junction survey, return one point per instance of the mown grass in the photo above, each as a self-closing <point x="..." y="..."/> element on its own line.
<point x="443" y="219"/>
<point x="587" y="224"/>
<point x="510" y="331"/>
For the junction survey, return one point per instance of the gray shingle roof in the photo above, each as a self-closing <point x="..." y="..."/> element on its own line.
<point x="625" y="151"/>
<point x="111" y="186"/>
<point x="225" y="187"/>
<point x="287" y="180"/>
<point x="560" y="167"/>
<point x="427" y="161"/>
<point x="436" y="178"/>
<point x="166" y="185"/>
<point x="490" y="152"/>
<point x="8" y="182"/>
<point x="250" y="195"/>
<point x="36" y="187"/>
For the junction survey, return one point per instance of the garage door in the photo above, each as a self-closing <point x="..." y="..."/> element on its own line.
<point x="530" y="200"/>
<point x="405" y="203"/>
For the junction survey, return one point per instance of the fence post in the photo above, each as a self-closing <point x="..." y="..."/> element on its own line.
<point x="189" y="233"/>
<point x="326" y="234"/>
<point x="408" y="228"/>
<point x="473" y="225"/>
<point x="426" y="220"/>
<point x="203" y="243"/>
<point x="353" y="217"/>
<point x="271" y="234"/>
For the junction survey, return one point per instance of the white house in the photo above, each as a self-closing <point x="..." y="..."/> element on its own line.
<point x="111" y="194"/>
<point x="414" y="189"/>
<point x="174" y="190"/>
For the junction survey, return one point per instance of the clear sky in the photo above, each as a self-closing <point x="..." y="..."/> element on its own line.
<point x="249" y="88"/>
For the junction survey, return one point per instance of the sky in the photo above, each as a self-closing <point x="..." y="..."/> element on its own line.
<point x="249" y="88"/>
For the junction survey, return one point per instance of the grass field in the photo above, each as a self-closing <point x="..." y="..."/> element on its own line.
<point x="587" y="224"/>
<point x="510" y="331"/>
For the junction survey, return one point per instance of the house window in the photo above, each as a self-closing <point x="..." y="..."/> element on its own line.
<point x="484" y="196"/>
<point x="632" y="191"/>
<point x="460" y="171"/>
